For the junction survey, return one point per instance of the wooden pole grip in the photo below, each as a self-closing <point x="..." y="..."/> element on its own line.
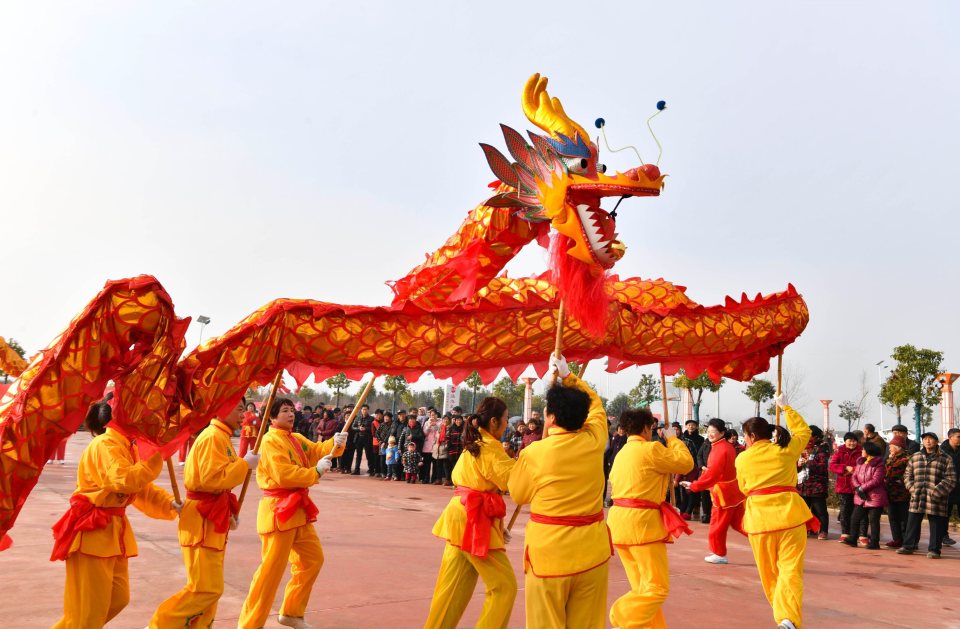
<point x="173" y="481"/>
<point x="356" y="408"/>
<point x="513" y="518"/>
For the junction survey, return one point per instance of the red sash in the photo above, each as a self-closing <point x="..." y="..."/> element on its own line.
<point x="813" y="524"/>
<point x="671" y="518"/>
<point x="568" y="520"/>
<point x="289" y="500"/>
<point x="217" y="508"/>
<point x="82" y="515"/>
<point x="482" y="508"/>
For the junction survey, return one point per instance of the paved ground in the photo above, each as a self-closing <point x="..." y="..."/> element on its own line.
<point x="382" y="561"/>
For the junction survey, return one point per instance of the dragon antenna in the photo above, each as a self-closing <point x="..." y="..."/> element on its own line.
<point x="661" y="105"/>
<point x="600" y="124"/>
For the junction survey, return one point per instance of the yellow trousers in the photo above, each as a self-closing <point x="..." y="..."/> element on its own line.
<point x="96" y="590"/>
<point x="578" y="601"/>
<point x="299" y="546"/>
<point x="779" y="558"/>
<point x="455" y="585"/>
<point x="196" y="604"/>
<point x="649" y="576"/>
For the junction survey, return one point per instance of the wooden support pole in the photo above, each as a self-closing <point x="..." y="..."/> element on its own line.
<point x="666" y="426"/>
<point x="779" y="383"/>
<point x="261" y="430"/>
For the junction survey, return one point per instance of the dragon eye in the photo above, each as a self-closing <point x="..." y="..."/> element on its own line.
<point x="578" y="165"/>
<point x="601" y="168"/>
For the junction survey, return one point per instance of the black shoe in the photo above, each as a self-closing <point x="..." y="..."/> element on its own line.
<point x="905" y="551"/>
<point x="947" y="541"/>
<point x="872" y="546"/>
<point x="704" y="520"/>
<point x="357" y="473"/>
<point x="933" y="555"/>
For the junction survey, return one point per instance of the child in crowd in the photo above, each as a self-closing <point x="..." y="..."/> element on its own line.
<point x="392" y="456"/>
<point x="412" y="462"/>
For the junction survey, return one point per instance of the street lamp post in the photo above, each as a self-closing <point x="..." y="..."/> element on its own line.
<point x="880" y="367"/>
<point x="203" y="320"/>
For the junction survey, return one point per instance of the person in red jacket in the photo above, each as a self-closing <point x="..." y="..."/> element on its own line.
<point x="720" y="478"/>
<point x="843" y="463"/>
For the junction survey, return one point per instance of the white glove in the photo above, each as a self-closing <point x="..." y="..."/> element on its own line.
<point x="324" y="465"/>
<point x="507" y="536"/>
<point x="234" y="522"/>
<point x="559" y="364"/>
<point x="176" y="506"/>
<point x="340" y="439"/>
<point x="252" y="459"/>
<point x="780" y="400"/>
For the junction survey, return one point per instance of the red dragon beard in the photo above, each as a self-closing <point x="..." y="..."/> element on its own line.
<point x="580" y="287"/>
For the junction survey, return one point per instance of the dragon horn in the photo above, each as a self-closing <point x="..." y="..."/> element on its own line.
<point x="546" y="112"/>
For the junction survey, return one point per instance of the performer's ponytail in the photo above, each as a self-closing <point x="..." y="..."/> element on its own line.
<point x="760" y="429"/>
<point x="490" y="409"/>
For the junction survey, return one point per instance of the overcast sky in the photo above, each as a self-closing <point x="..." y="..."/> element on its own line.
<point x="242" y="152"/>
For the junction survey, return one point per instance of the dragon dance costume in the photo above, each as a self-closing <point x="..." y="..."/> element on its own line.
<point x="567" y="543"/>
<point x="285" y="519"/>
<point x="472" y="525"/>
<point x="213" y="469"/>
<point x="641" y="524"/>
<point x="776" y="518"/>
<point x="95" y="537"/>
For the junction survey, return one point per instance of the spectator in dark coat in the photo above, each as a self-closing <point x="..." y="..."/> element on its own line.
<point x="617" y="442"/>
<point x="951" y="447"/>
<point x="842" y="464"/>
<point x="412" y="432"/>
<point x="690" y="500"/>
<point x="813" y="479"/>
<point x="869" y="494"/>
<point x="346" y="459"/>
<point x="455" y="441"/>
<point x="897" y="494"/>
<point x="363" y="441"/>
<point x="930" y="477"/>
<point x="706" y="504"/>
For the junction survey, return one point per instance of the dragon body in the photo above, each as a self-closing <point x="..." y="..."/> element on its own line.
<point x="452" y="315"/>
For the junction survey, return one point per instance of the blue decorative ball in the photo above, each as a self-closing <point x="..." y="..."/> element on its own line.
<point x="600" y="122"/>
<point x="661" y="105"/>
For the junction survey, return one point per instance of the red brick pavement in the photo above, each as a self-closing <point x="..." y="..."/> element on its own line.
<point x="381" y="562"/>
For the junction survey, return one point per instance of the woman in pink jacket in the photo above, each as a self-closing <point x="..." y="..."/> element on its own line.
<point x="870" y="495"/>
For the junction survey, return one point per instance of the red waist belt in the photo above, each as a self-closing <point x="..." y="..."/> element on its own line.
<point x="567" y="520"/>
<point x="82" y="515"/>
<point x="813" y="524"/>
<point x="482" y="508"/>
<point x="217" y="508"/>
<point x="289" y="500"/>
<point x="671" y="518"/>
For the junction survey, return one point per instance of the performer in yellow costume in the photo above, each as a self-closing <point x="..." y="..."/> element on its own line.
<point x="641" y="522"/>
<point x="94" y="536"/>
<point x="567" y="542"/>
<point x="776" y="518"/>
<point x="210" y="510"/>
<point x="289" y="465"/>
<point x="472" y="524"/>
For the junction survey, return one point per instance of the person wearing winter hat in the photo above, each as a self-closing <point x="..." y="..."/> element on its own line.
<point x="896" y="464"/>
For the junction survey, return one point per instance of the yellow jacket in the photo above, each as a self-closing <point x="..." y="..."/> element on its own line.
<point x="281" y="467"/>
<point x="110" y="474"/>
<point x="487" y="472"/>
<point x="212" y="467"/>
<point x="765" y="464"/>
<point x="562" y="476"/>
<point x="642" y="470"/>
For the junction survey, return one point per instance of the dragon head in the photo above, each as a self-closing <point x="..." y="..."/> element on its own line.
<point x="559" y="179"/>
